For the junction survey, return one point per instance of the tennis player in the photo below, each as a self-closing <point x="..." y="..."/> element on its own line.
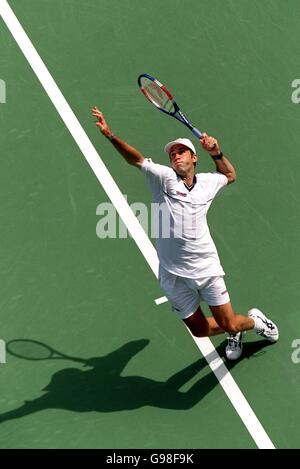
<point x="190" y="270"/>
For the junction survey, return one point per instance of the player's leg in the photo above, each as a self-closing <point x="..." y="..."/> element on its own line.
<point x="185" y="300"/>
<point x="235" y="325"/>
<point x="201" y="326"/>
<point x="229" y="321"/>
<point x="214" y="292"/>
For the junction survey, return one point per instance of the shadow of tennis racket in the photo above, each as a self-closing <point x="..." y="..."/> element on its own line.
<point x="34" y="350"/>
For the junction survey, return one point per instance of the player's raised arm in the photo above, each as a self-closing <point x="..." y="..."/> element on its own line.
<point x="129" y="153"/>
<point x="223" y="165"/>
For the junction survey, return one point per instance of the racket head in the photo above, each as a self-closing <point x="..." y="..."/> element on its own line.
<point x="157" y="94"/>
<point x="29" y="349"/>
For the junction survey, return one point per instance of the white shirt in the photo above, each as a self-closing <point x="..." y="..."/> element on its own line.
<point x="184" y="244"/>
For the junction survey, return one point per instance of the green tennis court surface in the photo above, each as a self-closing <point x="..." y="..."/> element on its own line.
<point x="130" y="376"/>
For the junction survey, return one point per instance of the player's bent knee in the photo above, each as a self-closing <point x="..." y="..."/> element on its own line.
<point x="230" y="327"/>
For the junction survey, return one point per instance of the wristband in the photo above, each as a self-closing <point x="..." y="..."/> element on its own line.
<point x="217" y="157"/>
<point x="110" y="137"/>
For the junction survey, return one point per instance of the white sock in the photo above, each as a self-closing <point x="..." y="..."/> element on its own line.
<point x="257" y="324"/>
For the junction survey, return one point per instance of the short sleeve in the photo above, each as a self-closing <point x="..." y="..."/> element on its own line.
<point x="155" y="174"/>
<point x="216" y="182"/>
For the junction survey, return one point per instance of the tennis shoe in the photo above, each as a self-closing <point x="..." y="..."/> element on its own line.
<point x="234" y="346"/>
<point x="264" y="326"/>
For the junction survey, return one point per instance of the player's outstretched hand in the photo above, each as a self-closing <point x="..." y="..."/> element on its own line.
<point x="101" y="122"/>
<point x="210" y="144"/>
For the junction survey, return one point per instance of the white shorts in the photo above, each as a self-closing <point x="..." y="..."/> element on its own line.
<point x="185" y="294"/>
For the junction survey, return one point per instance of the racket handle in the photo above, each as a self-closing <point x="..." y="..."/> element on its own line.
<point x="197" y="132"/>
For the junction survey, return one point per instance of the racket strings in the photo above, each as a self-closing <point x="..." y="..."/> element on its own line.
<point x="157" y="96"/>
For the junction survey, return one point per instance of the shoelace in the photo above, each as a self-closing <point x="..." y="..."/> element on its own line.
<point x="233" y="340"/>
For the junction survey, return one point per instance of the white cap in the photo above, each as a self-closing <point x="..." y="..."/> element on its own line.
<point x="180" y="141"/>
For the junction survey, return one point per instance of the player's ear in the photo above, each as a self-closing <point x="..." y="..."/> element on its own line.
<point x="194" y="157"/>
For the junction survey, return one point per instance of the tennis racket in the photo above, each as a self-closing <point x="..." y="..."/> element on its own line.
<point x="158" y="95"/>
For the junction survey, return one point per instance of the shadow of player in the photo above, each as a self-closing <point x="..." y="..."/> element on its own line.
<point x="101" y="388"/>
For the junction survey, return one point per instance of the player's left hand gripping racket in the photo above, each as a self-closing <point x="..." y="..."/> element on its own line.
<point x="158" y="95"/>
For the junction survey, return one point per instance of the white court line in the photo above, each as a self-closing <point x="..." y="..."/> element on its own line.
<point x="162" y="299"/>
<point x="206" y="347"/>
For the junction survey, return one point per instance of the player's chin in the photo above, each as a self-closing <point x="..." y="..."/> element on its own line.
<point x="180" y="168"/>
